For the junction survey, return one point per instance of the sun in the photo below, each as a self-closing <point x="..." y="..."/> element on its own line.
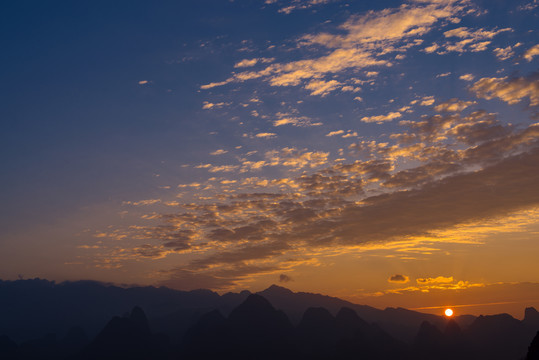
<point x="448" y="312"/>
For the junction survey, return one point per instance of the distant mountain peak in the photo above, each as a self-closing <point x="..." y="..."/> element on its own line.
<point x="276" y="290"/>
<point x="254" y="304"/>
<point x="531" y="317"/>
<point x="139" y="319"/>
<point x="530" y="312"/>
<point x="317" y="317"/>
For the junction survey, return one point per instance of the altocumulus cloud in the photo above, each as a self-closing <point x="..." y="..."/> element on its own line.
<point x="397" y="278"/>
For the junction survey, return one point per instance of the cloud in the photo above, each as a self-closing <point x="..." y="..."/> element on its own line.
<point x="432" y="48"/>
<point x="528" y="7"/>
<point x="292" y="157"/>
<point x="299" y="5"/>
<point x="436" y="280"/>
<point x="504" y="53"/>
<point x="266" y="135"/>
<point x="512" y="91"/>
<point x="335" y="133"/>
<point x="502" y="297"/>
<point x="283" y="278"/>
<point x="294" y="120"/>
<point x="453" y="105"/>
<point x="464" y="32"/>
<point x="143" y="82"/>
<point x="216" y="84"/>
<point x="363" y="42"/>
<point x="206" y="105"/>
<point x="218" y="152"/>
<point x="223" y="168"/>
<point x="252" y="62"/>
<point x="143" y="202"/>
<point x="237" y="236"/>
<point x="427" y="101"/>
<point x="381" y="118"/>
<point x="321" y="87"/>
<point x="472" y="40"/>
<point x="467" y="77"/>
<point x="402" y="279"/>
<point x="531" y="52"/>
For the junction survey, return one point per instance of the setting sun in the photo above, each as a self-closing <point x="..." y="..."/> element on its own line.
<point x="448" y="312"/>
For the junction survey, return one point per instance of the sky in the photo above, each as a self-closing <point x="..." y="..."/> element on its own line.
<point x="385" y="152"/>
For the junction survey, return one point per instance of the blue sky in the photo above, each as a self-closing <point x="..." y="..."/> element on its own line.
<point x="233" y="144"/>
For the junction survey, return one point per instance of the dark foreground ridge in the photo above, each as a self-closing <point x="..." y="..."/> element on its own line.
<point x="60" y="321"/>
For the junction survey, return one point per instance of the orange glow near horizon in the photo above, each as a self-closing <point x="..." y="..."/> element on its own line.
<point x="448" y="312"/>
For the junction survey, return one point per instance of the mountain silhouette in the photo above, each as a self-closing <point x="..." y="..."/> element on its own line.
<point x="125" y="338"/>
<point x="531" y="317"/>
<point x="428" y="341"/>
<point x="317" y="333"/>
<point x="8" y="348"/>
<point x="254" y="329"/>
<point x="499" y="337"/>
<point x="209" y="338"/>
<point x="533" y="349"/>
<point x="79" y="321"/>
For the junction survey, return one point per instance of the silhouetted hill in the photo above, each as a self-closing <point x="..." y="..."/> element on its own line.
<point x="209" y="338"/>
<point x="31" y="308"/>
<point x="317" y="333"/>
<point x="126" y="338"/>
<point x="398" y="322"/>
<point x="253" y="330"/>
<point x="258" y="327"/>
<point x="8" y="348"/>
<point x="499" y="337"/>
<point x="45" y="320"/>
<point x="428" y="341"/>
<point x="295" y="304"/>
<point x="74" y="341"/>
<point x="531" y="317"/>
<point x="533" y="349"/>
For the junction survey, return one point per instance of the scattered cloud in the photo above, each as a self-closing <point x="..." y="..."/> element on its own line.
<point x="530" y="6"/>
<point x="335" y="133"/>
<point x="252" y="62"/>
<point x="381" y="118"/>
<point x="142" y="202"/>
<point x="436" y="280"/>
<point x="292" y="157"/>
<point x="299" y="5"/>
<point x="283" y="278"/>
<point x="294" y="120"/>
<point x="510" y="90"/>
<point x="321" y="87"/>
<point x="467" y="77"/>
<point x="472" y="40"/>
<point x="206" y="105"/>
<point x="364" y="42"/>
<point x="401" y="279"/>
<point x="266" y="135"/>
<point x="531" y="52"/>
<point x="219" y="152"/>
<point x="504" y="53"/>
<point x="453" y="105"/>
